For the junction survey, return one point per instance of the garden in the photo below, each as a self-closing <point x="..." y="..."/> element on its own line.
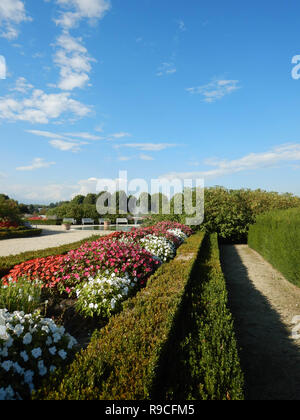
<point x="41" y="298"/>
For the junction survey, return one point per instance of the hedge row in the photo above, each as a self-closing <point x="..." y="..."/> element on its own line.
<point x="8" y="263"/>
<point x="26" y="233"/>
<point x="174" y="340"/>
<point x="56" y="222"/>
<point x="122" y="360"/>
<point x="276" y="236"/>
<point x="202" y="361"/>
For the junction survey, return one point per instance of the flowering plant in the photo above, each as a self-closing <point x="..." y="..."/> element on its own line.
<point x="30" y="348"/>
<point x="178" y="233"/>
<point x="95" y="258"/>
<point x="23" y="295"/>
<point x="102" y="296"/>
<point x="6" y="224"/>
<point x="160" y="247"/>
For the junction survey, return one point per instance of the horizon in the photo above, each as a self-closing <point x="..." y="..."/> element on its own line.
<point x="162" y="90"/>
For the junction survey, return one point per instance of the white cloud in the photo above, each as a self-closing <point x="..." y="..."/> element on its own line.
<point x="41" y="107"/>
<point x="37" y="163"/>
<point x="66" y="146"/>
<point x="166" y="69"/>
<point x="146" y="157"/>
<point x="278" y="155"/>
<point x="75" y="10"/>
<point x="215" y="90"/>
<point x="12" y="13"/>
<point x="119" y="135"/>
<point x="181" y="25"/>
<point x="2" y="67"/>
<point x="74" y="62"/>
<point x="86" y="136"/>
<point x="146" y="147"/>
<point x="22" y="85"/>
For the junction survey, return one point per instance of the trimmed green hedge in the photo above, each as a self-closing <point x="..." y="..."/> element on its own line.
<point x="122" y="360"/>
<point x="57" y="222"/>
<point x="19" y="233"/>
<point x="276" y="236"/>
<point x="8" y="263"/>
<point x="201" y="361"/>
<point x="133" y="357"/>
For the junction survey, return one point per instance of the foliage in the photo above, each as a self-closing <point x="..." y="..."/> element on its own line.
<point x="20" y="232"/>
<point x="23" y="296"/>
<point x="201" y="360"/>
<point x="9" y="211"/>
<point x="276" y="236"/>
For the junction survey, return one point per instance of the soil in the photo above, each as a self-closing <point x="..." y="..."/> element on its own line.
<point x="264" y="305"/>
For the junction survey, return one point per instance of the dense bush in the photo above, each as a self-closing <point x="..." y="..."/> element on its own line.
<point x="230" y="213"/>
<point x="276" y="236"/>
<point x="45" y="222"/>
<point x="20" y="232"/>
<point x="122" y="359"/>
<point x="201" y="360"/>
<point x="9" y="211"/>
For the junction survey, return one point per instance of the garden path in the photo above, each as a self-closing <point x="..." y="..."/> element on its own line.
<point x="52" y="236"/>
<point x="264" y="305"/>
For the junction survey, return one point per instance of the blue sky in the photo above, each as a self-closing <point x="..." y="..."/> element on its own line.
<point x="162" y="89"/>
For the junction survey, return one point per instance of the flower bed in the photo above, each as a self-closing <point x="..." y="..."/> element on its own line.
<point x="98" y="276"/>
<point x="30" y="347"/>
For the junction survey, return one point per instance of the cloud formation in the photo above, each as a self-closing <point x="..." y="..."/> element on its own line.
<point x="37" y="163"/>
<point x="215" y="90"/>
<point x="12" y="14"/>
<point x="279" y="155"/>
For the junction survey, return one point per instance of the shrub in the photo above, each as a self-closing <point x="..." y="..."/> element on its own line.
<point x="20" y="232"/>
<point x="201" y="360"/>
<point x="276" y="236"/>
<point x="31" y="347"/>
<point x="45" y="222"/>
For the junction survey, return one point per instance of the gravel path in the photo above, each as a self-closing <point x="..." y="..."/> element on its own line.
<point x="52" y="236"/>
<point x="264" y="304"/>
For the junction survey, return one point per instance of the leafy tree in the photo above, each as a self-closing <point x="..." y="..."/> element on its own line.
<point x="9" y="210"/>
<point x="90" y="199"/>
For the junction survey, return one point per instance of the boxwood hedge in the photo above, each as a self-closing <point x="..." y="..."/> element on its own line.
<point x="276" y="236"/>
<point x="19" y="233"/>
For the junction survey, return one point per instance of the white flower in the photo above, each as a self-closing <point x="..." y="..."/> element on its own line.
<point x="56" y="337"/>
<point x="36" y="352"/>
<point x="18" y="329"/>
<point x="3" y="333"/>
<point x="7" y="365"/>
<point x="52" y="350"/>
<point x="62" y="354"/>
<point x="27" y="339"/>
<point x="24" y="356"/>
<point x="28" y="375"/>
